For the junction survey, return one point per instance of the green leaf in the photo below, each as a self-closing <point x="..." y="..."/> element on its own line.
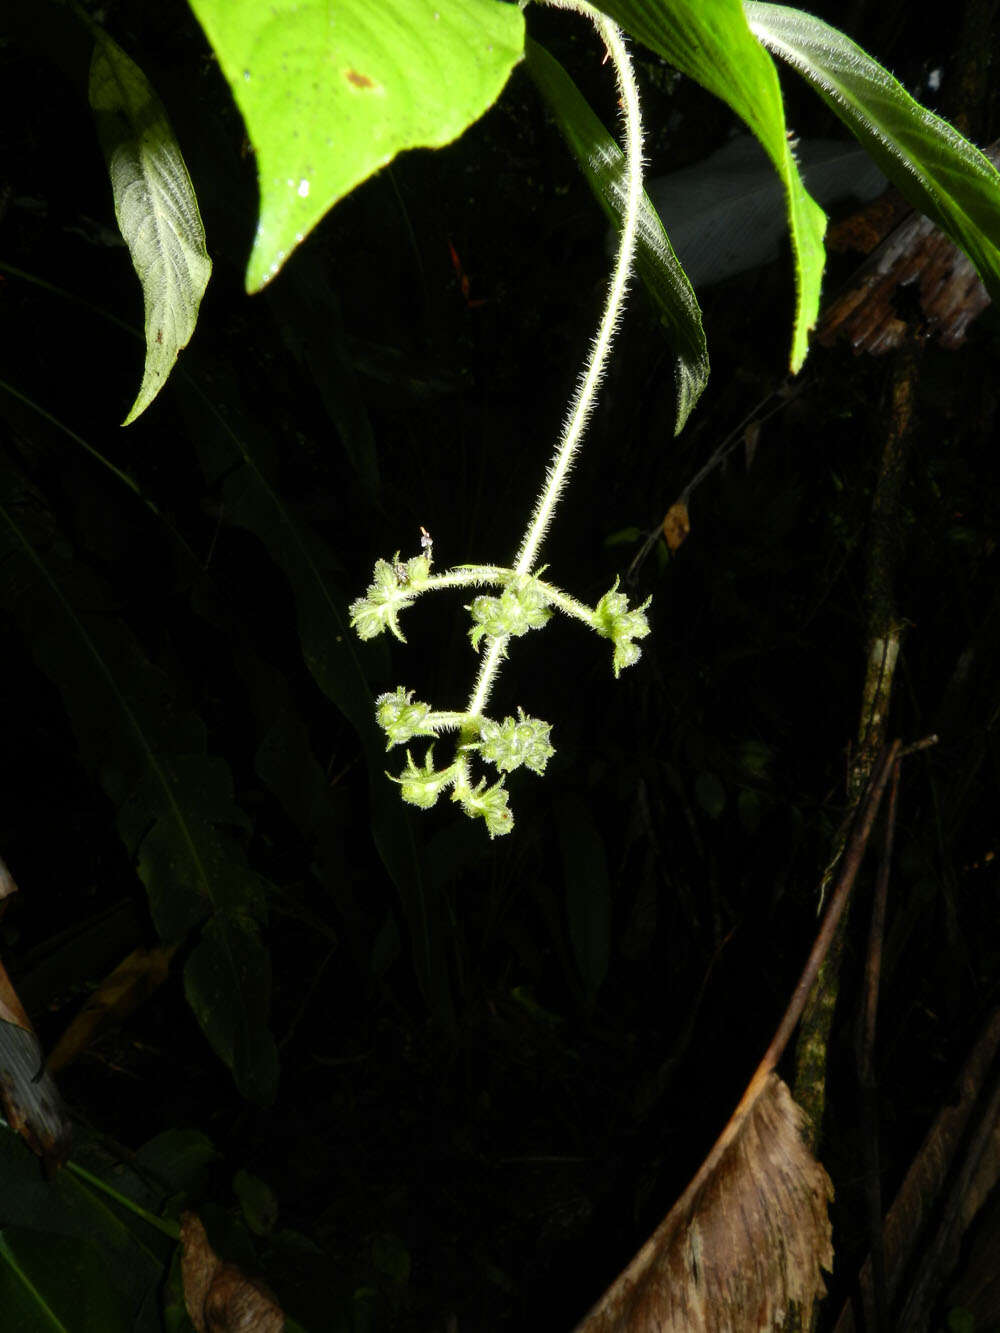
<point x="176" y="812"/>
<point x="710" y="794"/>
<point x="932" y="165"/>
<point x="55" y="1284"/>
<point x="109" y="1265"/>
<point x="709" y="41"/>
<point x="308" y="314"/>
<point x="227" y="981"/>
<point x="391" y="1258"/>
<point x="600" y="159"/>
<point x="588" y="890"/>
<point x="331" y="93"/>
<point x="258" y="1203"/>
<point x="251" y="501"/>
<point x="156" y="208"/>
<point x="179" y="1159"/>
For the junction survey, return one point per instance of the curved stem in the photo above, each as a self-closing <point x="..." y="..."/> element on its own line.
<point x="447" y="721"/>
<point x="586" y="393"/>
<point x="475" y="576"/>
<point x="469" y="576"/>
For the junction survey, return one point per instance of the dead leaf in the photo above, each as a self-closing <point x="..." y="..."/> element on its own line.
<point x="7" y="885"/>
<point x="746" y="1240"/>
<point x="914" y="253"/>
<point x="219" y="1297"/>
<point x="127" y="987"/>
<point x="676" y="525"/>
<point x="29" y="1097"/>
<point x="750" y="437"/>
<point x="919" y="1201"/>
<point x="749" y="1236"/>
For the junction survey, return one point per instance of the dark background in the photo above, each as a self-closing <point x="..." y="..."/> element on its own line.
<point x="498" y="1154"/>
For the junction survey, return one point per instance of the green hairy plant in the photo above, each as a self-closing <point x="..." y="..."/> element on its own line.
<point x="223" y="715"/>
<point x="526" y="601"/>
<point x="315" y="139"/>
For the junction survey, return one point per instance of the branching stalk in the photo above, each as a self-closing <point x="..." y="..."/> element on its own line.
<point x="524" y="602"/>
<point x="583" y="401"/>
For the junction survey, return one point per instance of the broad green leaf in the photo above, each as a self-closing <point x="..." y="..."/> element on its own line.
<point x="179" y="1160"/>
<point x="308" y="314"/>
<point x="227" y="981"/>
<point x="55" y="1284"/>
<point x="932" y="165"/>
<point x="330" y="93"/>
<point x="709" y="41"/>
<point x="109" y="1267"/>
<point x="602" y="161"/>
<point x="176" y="812"/>
<point x="710" y="794"/>
<point x="331" y="652"/>
<point x="156" y="208"/>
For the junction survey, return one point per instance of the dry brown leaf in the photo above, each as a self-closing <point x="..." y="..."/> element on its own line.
<point x="29" y="1097"/>
<point x="7" y="885"/>
<point x="676" y="525"/>
<point x="132" y="982"/>
<point x="746" y="1240"/>
<point x="11" y="1008"/>
<point x="219" y="1297"/>
<point x="919" y="1199"/>
<point x="913" y="254"/>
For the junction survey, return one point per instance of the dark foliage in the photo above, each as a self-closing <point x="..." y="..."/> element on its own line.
<point x="491" y="1087"/>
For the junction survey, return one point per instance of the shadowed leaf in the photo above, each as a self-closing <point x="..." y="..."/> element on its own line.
<point x="118" y="995"/>
<point x="176" y="810"/>
<point x="932" y="165"/>
<point x="602" y="163"/>
<point x="744" y="1243"/>
<point x="252" y="501"/>
<point x="710" y="42"/>
<point x="156" y="207"/>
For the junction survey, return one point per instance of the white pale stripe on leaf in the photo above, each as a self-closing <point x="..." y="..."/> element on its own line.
<point x="938" y="170"/>
<point x="156" y="207"/>
<point x="710" y="41"/>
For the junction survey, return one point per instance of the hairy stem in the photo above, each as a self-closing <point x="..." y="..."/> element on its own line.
<point x="586" y="392"/>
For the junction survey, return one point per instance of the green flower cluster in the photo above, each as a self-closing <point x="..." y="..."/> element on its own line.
<point x="487" y="803"/>
<point x="524" y="603"/>
<point x="509" y="744"/>
<point x="422" y="787"/>
<point x="616" y="622"/>
<point x="401" y="719"/>
<point x="520" y="607"/>
<point x="392" y="589"/>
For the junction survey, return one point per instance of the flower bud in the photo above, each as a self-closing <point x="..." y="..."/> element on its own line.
<point x="519" y="608"/>
<point x="615" y="621"/>
<point x="510" y="743"/>
<point x="400" y="719"/>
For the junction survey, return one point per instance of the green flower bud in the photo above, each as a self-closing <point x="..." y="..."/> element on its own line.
<point x="519" y="608"/>
<point x="615" y="621"/>
<point x="393" y="588"/>
<point x="400" y="719"/>
<point x="509" y="744"/>
<point x="422" y="786"/>
<point x="490" y="804"/>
